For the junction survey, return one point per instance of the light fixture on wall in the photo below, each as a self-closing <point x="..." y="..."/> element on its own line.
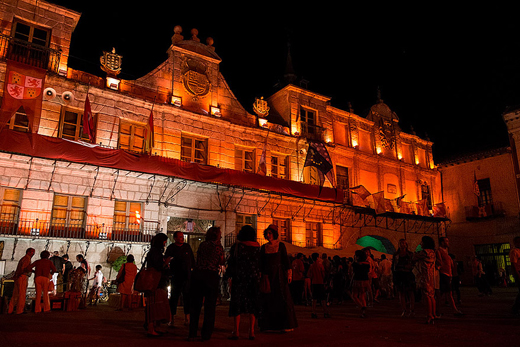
<point x="176" y="101"/>
<point x="215" y="111"/>
<point x="113" y="83"/>
<point x="262" y="122"/>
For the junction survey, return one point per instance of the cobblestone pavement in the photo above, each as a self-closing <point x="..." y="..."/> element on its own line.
<point x="487" y="322"/>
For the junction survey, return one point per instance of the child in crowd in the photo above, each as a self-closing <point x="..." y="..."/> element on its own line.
<point x="99" y="279"/>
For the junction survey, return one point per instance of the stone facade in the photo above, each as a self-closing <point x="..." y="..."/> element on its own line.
<point x="195" y="111"/>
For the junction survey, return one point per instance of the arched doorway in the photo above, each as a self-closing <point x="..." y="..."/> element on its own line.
<point x="379" y="243"/>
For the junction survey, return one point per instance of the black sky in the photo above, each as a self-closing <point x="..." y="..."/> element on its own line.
<point x="448" y="73"/>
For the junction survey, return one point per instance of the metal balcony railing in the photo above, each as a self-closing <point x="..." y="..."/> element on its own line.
<point x="494" y="209"/>
<point x="49" y="229"/>
<point x="312" y="132"/>
<point x="29" y="53"/>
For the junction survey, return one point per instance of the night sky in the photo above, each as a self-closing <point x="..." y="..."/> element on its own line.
<point x="450" y="74"/>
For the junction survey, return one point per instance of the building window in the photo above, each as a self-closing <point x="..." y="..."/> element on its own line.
<point x="485" y="198"/>
<point x="19" y="122"/>
<point x="425" y="194"/>
<point x="342" y="177"/>
<point x="245" y="160"/>
<point x="284" y="229"/>
<point x="310" y="175"/>
<point x="308" y="121"/>
<point x="68" y="211"/>
<point x="244" y="219"/>
<point x="127" y="216"/>
<point x="9" y="206"/>
<point x="71" y="125"/>
<point x="280" y="166"/>
<point x="313" y="234"/>
<point x="194" y="149"/>
<point x="131" y="136"/>
<point x="30" y="33"/>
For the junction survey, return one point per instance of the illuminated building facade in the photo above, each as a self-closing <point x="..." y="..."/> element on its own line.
<point x="484" y="209"/>
<point x="175" y="150"/>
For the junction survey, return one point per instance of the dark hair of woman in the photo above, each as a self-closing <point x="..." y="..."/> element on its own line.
<point x="273" y="231"/>
<point x="158" y="240"/>
<point x="212" y="234"/>
<point x="80" y="257"/>
<point x="427" y="242"/>
<point x="130" y="258"/>
<point x="247" y="233"/>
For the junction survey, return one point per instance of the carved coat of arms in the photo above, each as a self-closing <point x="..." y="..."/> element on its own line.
<point x="195" y="78"/>
<point x="386" y="134"/>
<point x="260" y="107"/>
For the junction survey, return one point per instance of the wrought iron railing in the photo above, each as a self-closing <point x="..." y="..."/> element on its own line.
<point x="313" y="132"/>
<point x="29" y="53"/>
<point x="494" y="209"/>
<point x="47" y="229"/>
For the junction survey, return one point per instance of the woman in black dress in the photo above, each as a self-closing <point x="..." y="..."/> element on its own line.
<point x="277" y="309"/>
<point x="244" y="271"/>
<point x="157" y="307"/>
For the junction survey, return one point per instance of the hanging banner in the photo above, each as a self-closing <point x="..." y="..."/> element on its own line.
<point x="23" y="87"/>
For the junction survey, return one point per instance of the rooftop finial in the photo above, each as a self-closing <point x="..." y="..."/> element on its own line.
<point x="194" y="33"/>
<point x="177" y="37"/>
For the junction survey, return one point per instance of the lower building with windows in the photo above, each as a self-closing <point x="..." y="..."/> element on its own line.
<point x="96" y="165"/>
<point x="484" y="210"/>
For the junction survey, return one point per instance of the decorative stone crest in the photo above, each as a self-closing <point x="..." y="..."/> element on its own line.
<point x="386" y="134"/>
<point x="195" y="78"/>
<point x="111" y="62"/>
<point x="261" y="108"/>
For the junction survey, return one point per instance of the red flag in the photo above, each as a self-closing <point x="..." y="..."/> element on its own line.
<point x="422" y="207"/>
<point x="361" y="191"/>
<point x="149" y="133"/>
<point x="476" y="189"/>
<point x="88" y="128"/>
<point x="439" y="210"/>
<point x="23" y="87"/>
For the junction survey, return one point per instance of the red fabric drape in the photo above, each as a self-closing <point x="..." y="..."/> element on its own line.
<point x="59" y="149"/>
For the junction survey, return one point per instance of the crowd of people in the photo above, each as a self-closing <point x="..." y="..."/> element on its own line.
<point x="265" y="283"/>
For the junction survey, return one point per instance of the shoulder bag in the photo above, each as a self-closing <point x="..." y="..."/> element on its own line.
<point x="147" y="279"/>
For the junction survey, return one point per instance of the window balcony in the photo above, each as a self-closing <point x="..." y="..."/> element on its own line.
<point x="492" y="210"/>
<point x="30" y="54"/>
<point x="70" y="231"/>
<point x="312" y="132"/>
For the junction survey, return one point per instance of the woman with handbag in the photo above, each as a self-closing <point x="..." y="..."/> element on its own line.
<point x="244" y="271"/>
<point x="125" y="282"/>
<point x="277" y="308"/>
<point x="157" y="306"/>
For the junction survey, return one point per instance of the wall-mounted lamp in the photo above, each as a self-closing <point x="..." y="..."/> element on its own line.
<point x="215" y="111"/>
<point x="113" y="83"/>
<point x="262" y="122"/>
<point x="176" y="101"/>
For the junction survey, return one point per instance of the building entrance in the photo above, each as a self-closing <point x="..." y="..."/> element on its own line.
<point x="194" y="230"/>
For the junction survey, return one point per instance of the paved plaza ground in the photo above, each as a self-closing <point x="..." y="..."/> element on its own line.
<point x="487" y="322"/>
